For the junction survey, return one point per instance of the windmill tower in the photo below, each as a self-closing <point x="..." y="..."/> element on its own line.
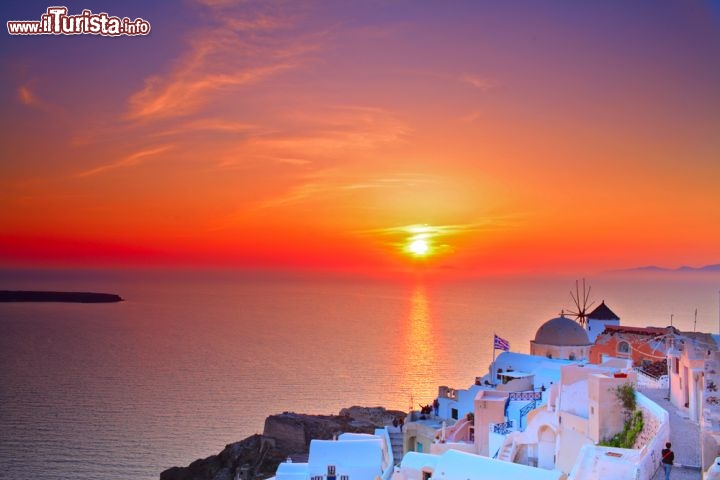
<point x="593" y="321"/>
<point x="600" y="318"/>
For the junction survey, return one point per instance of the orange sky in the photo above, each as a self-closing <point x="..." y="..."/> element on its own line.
<point x="564" y="138"/>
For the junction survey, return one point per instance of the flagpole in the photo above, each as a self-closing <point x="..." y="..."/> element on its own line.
<point x="492" y="370"/>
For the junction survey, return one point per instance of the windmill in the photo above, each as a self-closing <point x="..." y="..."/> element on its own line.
<point x="580" y="299"/>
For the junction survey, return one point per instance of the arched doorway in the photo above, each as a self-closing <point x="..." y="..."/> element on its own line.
<point x="546" y="447"/>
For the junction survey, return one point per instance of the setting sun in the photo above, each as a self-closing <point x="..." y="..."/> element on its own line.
<point x="419" y="247"/>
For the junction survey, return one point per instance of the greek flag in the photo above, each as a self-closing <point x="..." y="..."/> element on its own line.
<point x="501" y="344"/>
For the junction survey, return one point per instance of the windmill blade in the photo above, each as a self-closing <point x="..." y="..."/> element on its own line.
<point x="575" y="297"/>
<point x="582" y="302"/>
<point x="587" y="296"/>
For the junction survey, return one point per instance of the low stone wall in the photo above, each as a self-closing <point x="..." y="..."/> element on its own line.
<point x="652" y="439"/>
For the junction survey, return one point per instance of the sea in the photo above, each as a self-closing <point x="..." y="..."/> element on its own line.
<point x="193" y="360"/>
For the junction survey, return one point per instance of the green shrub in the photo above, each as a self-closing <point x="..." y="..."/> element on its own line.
<point x="630" y="432"/>
<point x="625" y="393"/>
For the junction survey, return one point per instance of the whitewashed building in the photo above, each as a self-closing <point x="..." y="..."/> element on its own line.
<point x="455" y="465"/>
<point x="352" y="456"/>
<point x="598" y="319"/>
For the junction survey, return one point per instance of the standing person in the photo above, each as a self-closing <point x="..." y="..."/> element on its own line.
<point x="436" y="407"/>
<point x="668" y="457"/>
<point x="401" y="422"/>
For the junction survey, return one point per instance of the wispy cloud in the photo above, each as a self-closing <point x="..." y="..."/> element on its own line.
<point x="319" y="185"/>
<point x="317" y="135"/>
<point x="232" y="54"/>
<point x="477" y="81"/>
<point x="396" y="181"/>
<point x="430" y="231"/>
<point x="188" y="87"/>
<point x="293" y="161"/>
<point x="470" y="117"/>
<point x="298" y="194"/>
<point x="472" y="79"/>
<point x="128" y="161"/>
<point x="333" y="129"/>
<point x="27" y="96"/>
<point x="218" y="125"/>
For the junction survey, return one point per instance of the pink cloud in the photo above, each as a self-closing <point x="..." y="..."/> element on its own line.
<point x="128" y="161"/>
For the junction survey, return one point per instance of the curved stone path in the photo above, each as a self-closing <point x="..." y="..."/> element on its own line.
<point x="684" y="436"/>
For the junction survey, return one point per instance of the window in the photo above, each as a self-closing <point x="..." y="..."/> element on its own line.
<point x="426" y="475"/>
<point x="623" y="347"/>
<point x="677" y="366"/>
<point x="454" y="413"/>
<point x="571" y="356"/>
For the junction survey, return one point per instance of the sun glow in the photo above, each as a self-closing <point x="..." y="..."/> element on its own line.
<point x="419" y="247"/>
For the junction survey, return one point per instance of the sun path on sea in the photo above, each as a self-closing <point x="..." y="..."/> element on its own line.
<point x="684" y="436"/>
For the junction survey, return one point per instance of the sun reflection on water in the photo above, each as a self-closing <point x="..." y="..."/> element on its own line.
<point x="419" y="349"/>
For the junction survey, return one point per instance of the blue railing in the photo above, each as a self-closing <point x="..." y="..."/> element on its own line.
<point x="502" y="428"/>
<point x="524" y="411"/>
<point x="526" y="395"/>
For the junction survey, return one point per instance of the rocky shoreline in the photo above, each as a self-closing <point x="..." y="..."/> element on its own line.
<point x="284" y="435"/>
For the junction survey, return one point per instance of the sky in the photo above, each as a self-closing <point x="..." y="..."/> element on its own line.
<point x="461" y="138"/>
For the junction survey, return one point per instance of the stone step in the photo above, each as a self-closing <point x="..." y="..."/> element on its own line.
<point x="505" y="452"/>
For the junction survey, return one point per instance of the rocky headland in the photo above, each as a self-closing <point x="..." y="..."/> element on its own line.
<point x="72" y="297"/>
<point x="285" y="435"/>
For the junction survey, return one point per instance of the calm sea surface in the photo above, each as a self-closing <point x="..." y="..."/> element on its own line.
<point x="193" y="361"/>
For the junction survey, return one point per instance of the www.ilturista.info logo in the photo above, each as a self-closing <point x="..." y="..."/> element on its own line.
<point x="57" y="22"/>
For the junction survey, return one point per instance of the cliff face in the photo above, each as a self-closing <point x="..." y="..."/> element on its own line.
<point x="284" y="435"/>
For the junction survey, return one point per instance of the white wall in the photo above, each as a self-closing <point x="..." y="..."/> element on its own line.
<point x="463" y="402"/>
<point x="594" y="463"/>
<point x="595" y="327"/>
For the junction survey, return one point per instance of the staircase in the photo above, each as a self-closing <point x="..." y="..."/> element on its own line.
<point x="508" y="450"/>
<point x="396" y="442"/>
<point x="505" y="451"/>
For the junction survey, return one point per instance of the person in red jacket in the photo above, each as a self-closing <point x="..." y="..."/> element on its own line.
<point x="668" y="457"/>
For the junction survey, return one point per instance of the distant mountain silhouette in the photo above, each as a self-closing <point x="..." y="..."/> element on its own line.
<point x="684" y="268"/>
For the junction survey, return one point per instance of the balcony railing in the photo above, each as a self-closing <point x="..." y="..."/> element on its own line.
<point x="502" y="428"/>
<point x="526" y="395"/>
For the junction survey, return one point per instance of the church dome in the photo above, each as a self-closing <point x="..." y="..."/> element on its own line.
<point x="561" y="332"/>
